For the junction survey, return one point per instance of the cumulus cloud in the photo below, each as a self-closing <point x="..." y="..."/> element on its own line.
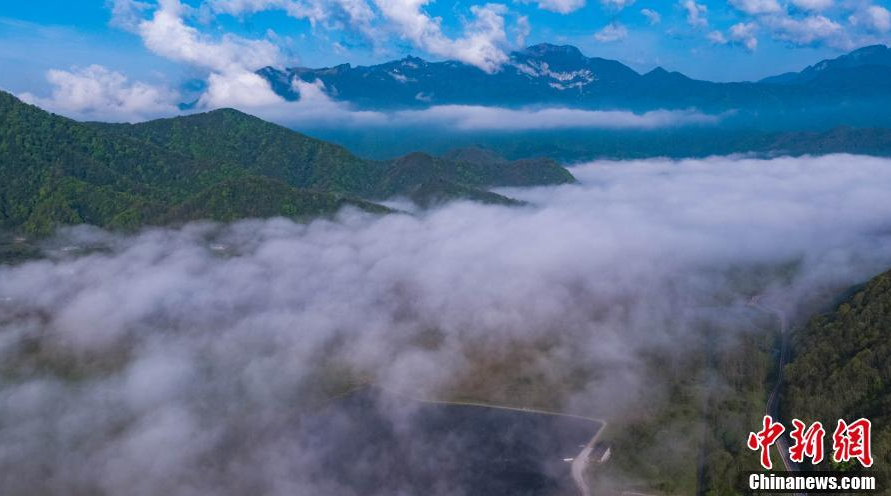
<point x="240" y="90"/>
<point x="874" y="17"/>
<point x="695" y="13"/>
<point x="880" y="18"/>
<point x="613" y="31"/>
<point x="717" y="38"/>
<point x="231" y="60"/>
<point x="755" y="7"/>
<point x="744" y="33"/>
<point x="813" y="5"/>
<point x="804" y="25"/>
<point x="617" y="4"/>
<point x="740" y="33"/>
<point x="482" y="43"/>
<point x="167" y="35"/>
<point x="127" y="14"/>
<point x="807" y="31"/>
<point x="561" y="6"/>
<point x="332" y="14"/>
<point x="97" y="93"/>
<point x="522" y="30"/>
<point x="652" y="16"/>
<point x="183" y="361"/>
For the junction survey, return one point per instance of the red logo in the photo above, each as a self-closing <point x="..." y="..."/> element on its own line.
<point x="808" y="443"/>
<point x="765" y="438"/>
<point x="853" y="441"/>
<point x="849" y="441"/>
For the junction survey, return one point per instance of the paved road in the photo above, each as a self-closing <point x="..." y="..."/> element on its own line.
<point x="581" y="461"/>
<point x="773" y="401"/>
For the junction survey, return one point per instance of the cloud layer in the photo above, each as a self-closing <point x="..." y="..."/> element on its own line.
<point x="178" y="361"/>
<point x="99" y="94"/>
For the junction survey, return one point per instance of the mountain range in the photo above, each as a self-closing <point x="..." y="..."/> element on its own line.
<point x="850" y="90"/>
<point x="221" y="165"/>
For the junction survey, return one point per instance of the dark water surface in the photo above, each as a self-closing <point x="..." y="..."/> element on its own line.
<point x="373" y="443"/>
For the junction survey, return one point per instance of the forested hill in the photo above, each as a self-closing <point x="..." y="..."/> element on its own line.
<point x="221" y="165"/>
<point x="258" y="147"/>
<point x="841" y="367"/>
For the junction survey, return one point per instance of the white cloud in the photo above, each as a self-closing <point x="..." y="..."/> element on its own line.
<point x="97" y="93"/>
<point x="652" y="16"/>
<point x="477" y="118"/>
<point x="617" y="4"/>
<point x="316" y="109"/>
<point x="873" y="17"/>
<point x="880" y="18"/>
<point x="809" y="30"/>
<point x="240" y="89"/>
<point x="813" y="5"/>
<point x="561" y="6"/>
<point x="717" y="38"/>
<point x="230" y="60"/>
<point x="127" y="14"/>
<point x="198" y="380"/>
<point x="522" y="30"/>
<point x="744" y="33"/>
<point x="167" y="34"/>
<point x="755" y="7"/>
<point x="357" y="13"/>
<point x="482" y="43"/>
<point x="611" y="32"/>
<point x="107" y="96"/>
<point x="695" y="13"/>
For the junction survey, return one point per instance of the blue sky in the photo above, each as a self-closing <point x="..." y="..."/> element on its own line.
<point x="152" y="49"/>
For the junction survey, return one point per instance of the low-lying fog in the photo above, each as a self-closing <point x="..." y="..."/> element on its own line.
<point x="177" y="362"/>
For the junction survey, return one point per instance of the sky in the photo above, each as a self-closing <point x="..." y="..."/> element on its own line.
<point x="149" y="54"/>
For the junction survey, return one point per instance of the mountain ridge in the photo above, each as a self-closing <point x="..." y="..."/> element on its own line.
<point x="840" y="91"/>
<point x="221" y="165"/>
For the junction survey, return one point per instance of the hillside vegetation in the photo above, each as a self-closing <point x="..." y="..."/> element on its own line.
<point x="221" y="165"/>
<point x="842" y="368"/>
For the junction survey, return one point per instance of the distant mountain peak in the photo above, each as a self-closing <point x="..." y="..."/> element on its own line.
<point x="411" y="58"/>
<point x="661" y="74"/>
<point x="547" y="49"/>
<point x="872" y="55"/>
<point x="869" y="51"/>
<point x="561" y="75"/>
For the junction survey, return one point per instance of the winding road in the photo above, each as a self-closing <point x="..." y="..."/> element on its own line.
<point x="773" y="401"/>
<point x="581" y="461"/>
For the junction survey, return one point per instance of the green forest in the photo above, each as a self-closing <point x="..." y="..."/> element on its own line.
<point x="221" y="165"/>
<point x="841" y="369"/>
